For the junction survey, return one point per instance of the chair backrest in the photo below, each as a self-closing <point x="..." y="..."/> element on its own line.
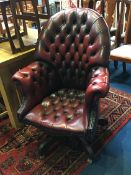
<point x="28" y="10"/>
<point x="120" y="24"/>
<point x="64" y="4"/>
<point x="75" y="41"/>
<point x="127" y="38"/>
<point x="114" y="14"/>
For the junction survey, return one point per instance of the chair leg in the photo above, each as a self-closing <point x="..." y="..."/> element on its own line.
<point x="87" y="148"/>
<point x="116" y="64"/>
<point x="124" y="67"/>
<point x="102" y="122"/>
<point x="44" y="146"/>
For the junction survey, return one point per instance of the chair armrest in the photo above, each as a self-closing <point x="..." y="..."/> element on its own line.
<point x="98" y="87"/>
<point x="33" y="81"/>
<point x="98" y="84"/>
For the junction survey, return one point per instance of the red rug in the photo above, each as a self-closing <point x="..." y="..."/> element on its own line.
<point x="18" y="148"/>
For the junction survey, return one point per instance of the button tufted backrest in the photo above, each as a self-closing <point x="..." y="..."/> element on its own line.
<point x="75" y="41"/>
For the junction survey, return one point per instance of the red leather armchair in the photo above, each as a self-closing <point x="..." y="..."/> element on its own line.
<point x="69" y="75"/>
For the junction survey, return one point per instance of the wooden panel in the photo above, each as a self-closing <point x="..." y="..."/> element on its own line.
<point x="5" y="51"/>
<point x="7" y="87"/>
<point x="122" y="54"/>
<point x="128" y="29"/>
<point x="9" y="64"/>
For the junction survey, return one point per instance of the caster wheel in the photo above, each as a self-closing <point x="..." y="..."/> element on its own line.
<point x="89" y="161"/>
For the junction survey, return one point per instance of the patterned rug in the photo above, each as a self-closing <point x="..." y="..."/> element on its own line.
<point x="18" y="148"/>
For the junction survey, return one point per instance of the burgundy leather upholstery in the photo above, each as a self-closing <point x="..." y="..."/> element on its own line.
<point x="76" y="40"/>
<point x="63" y="110"/>
<point x="63" y="86"/>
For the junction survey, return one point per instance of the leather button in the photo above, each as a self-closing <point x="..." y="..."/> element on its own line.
<point x="57" y="116"/>
<point x="46" y="104"/>
<point x="95" y="75"/>
<point x="72" y="100"/>
<point x="81" y="95"/>
<point x="78" y="29"/>
<point x="67" y="57"/>
<point x="57" y="107"/>
<point x="68" y="29"/>
<point x="65" y="102"/>
<point x="33" y="69"/>
<point x="71" y="94"/>
<point x="75" y="104"/>
<point x="72" y="63"/>
<point x="66" y="111"/>
<point x="57" y="49"/>
<point x="83" y="18"/>
<point x="61" y="92"/>
<point x="69" y="117"/>
<point x="55" y="100"/>
<point x="82" y="101"/>
<point x="52" y="96"/>
<point x="25" y="75"/>
<point x="81" y="98"/>
<point x="76" y="57"/>
<point x="78" y="111"/>
<point x="63" y="98"/>
<point x="47" y="111"/>
<point x="57" y="30"/>
<point x="84" y="58"/>
<point x="94" y="83"/>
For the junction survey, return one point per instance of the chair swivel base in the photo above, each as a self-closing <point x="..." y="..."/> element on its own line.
<point x="44" y="146"/>
<point x="102" y="122"/>
<point x="78" y="144"/>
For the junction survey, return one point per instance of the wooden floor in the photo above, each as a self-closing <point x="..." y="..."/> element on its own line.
<point x="5" y="50"/>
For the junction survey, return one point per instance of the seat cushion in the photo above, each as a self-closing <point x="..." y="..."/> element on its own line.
<point x="62" y="110"/>
<point x="121" y="53"/>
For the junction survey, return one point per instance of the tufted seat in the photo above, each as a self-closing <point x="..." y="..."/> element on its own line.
<point x="62" y="110"/>
<point x="69" y="75"/>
